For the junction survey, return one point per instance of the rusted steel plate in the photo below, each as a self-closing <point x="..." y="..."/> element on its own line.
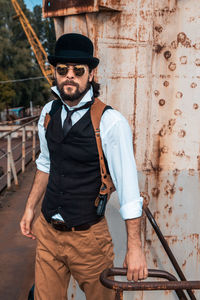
<point x="149" y="70"/>
<point x="59" y="8"/>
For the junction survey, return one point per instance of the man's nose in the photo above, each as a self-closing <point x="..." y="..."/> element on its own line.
<point x="70" y="73"/>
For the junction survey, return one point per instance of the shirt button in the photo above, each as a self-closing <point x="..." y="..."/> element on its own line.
<point x="61" y="193"/>
<point x="59" y="207"/>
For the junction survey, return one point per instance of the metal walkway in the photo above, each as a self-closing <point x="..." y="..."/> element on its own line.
<point x="16" y="253"/>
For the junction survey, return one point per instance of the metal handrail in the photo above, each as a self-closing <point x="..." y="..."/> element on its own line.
<point x="171" y="284"/>
<point x="20" y="127"/>
<point x="12" y="164"/>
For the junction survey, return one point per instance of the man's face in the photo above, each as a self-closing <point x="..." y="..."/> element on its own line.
<point x="73" y="80"/>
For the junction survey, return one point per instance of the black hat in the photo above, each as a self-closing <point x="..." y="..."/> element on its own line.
<point x="75" y="48"/>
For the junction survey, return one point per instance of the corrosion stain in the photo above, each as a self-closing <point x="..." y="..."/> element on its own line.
<point x="156" y="93"/>
<point x="174" y="44"/>
<point x="191" y="172"/>
<point x="179" y="95"/>
<point x="167" y="54"/>
<point x="155" y="262"/>
<point x="158" y="48"/>
<point x="183" y="60"/>
<point x="196" y="46"/>
<point x="166" y="83"/>
<point x="184" y="263"/>
<point x="161" y="102"/>
<point x="155" y="192"/>
<point x="198" y="162"/>
<point x="177" y="112"/>
<point x="170" y="190"/>
<point x="182" y="133"/>
<point x="195" y="106"/>
<point x="163" y="131"/>
<point x="176" y="172"/>
<point x="171" y="124"/>
<point x="197" y="62"/>
<point x="170" y="210"/>
<point x="193" y="85"/>
<point x="172" y="66"/>
<point x="158" y="28"/>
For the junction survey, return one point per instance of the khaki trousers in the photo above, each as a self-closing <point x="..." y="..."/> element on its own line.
<point x="84" y="254"/>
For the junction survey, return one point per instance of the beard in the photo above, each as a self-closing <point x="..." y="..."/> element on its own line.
<point x="69" y="96"/>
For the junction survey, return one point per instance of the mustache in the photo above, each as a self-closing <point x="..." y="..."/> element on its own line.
<point x="69" y="82"/>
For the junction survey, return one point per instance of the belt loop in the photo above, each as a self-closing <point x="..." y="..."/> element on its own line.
<point x="73" y="228"/>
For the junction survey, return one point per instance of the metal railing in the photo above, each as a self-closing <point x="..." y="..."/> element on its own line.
<point x="173" y="283"/>
<point x="16" y="152"/>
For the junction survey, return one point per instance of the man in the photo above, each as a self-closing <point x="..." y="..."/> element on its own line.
<point x="71" y="238"/>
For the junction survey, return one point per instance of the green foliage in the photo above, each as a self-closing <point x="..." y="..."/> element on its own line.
<point x="17" y="60"/>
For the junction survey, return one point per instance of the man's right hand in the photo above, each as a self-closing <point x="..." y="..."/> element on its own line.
<point x="26" y="223"/>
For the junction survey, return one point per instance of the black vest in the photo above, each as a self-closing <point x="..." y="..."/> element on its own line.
<point x="74" y="179"/>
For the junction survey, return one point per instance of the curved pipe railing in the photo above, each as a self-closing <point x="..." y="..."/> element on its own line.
<point x="171" y="284"/>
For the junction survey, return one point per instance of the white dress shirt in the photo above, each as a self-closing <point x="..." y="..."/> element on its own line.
<point x="116" y="138"/>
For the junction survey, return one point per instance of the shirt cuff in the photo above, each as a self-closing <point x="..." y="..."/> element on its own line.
<point x="132" y="210"/>
<point x="42" y="167"/>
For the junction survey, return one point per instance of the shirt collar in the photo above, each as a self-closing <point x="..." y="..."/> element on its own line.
<point x="88" y="97"/>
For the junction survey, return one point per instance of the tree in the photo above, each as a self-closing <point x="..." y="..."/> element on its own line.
<point x="17" y="60"/>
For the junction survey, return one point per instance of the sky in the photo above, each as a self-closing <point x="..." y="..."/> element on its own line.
<point x="31" y="3"/>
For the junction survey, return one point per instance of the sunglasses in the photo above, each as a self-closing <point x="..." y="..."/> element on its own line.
<point x="78" y="70"/>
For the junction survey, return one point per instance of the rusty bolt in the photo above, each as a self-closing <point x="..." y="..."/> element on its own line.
<point x="156" y="93"/>
<point x="166" y="83"/>
<point x="180" y="188"/>
<point x="181" y="37"/>
<point x="161" y="102"/>
<point x="179" y="95"/>
<point x="172" y="66"/>
<point x="167" y="54"/>
<point x="183" y="60"/>
<point x="181" y="133"/>
<point x="195" y="106"/>
<point x="177" y="112"/>
<point x="193" y="85"/>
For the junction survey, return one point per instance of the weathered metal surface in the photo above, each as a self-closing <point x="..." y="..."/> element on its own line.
<point x="150" y="70"/>
<point x="60" y="8"/>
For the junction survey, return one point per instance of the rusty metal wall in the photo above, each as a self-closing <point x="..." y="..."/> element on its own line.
<point x="150" y="71"/>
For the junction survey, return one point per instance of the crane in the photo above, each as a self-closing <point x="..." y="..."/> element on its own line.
<point x="36" y="45"/>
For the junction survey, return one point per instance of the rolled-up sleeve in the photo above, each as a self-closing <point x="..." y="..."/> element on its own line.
<point x="117" y="145"/>
<point x="43" y="161"/>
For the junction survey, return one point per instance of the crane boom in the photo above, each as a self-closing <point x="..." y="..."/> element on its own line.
<point x="36" y="45"/>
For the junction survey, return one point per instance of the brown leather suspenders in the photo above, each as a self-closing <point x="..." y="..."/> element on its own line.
<point x="107" y="186"/>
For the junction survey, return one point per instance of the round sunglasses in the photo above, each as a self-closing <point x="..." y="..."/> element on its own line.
<point x="78" y="70"/>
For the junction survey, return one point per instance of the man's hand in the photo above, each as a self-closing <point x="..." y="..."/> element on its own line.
<point x="37" y="191"/>
<point x="26" y="223"/>
<point x="136" y="263"/>
<point x="135" y="259"/>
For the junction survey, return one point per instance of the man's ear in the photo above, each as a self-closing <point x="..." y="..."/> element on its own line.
<point x="91" y="75"/>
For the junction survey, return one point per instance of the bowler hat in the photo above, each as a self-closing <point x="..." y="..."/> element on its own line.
<point x="75" y="48"/>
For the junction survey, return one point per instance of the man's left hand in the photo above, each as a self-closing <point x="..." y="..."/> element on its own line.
<point x="136" y="263"/>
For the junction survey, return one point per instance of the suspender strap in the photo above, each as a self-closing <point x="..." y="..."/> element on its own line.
<point x="107" y="186"/>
